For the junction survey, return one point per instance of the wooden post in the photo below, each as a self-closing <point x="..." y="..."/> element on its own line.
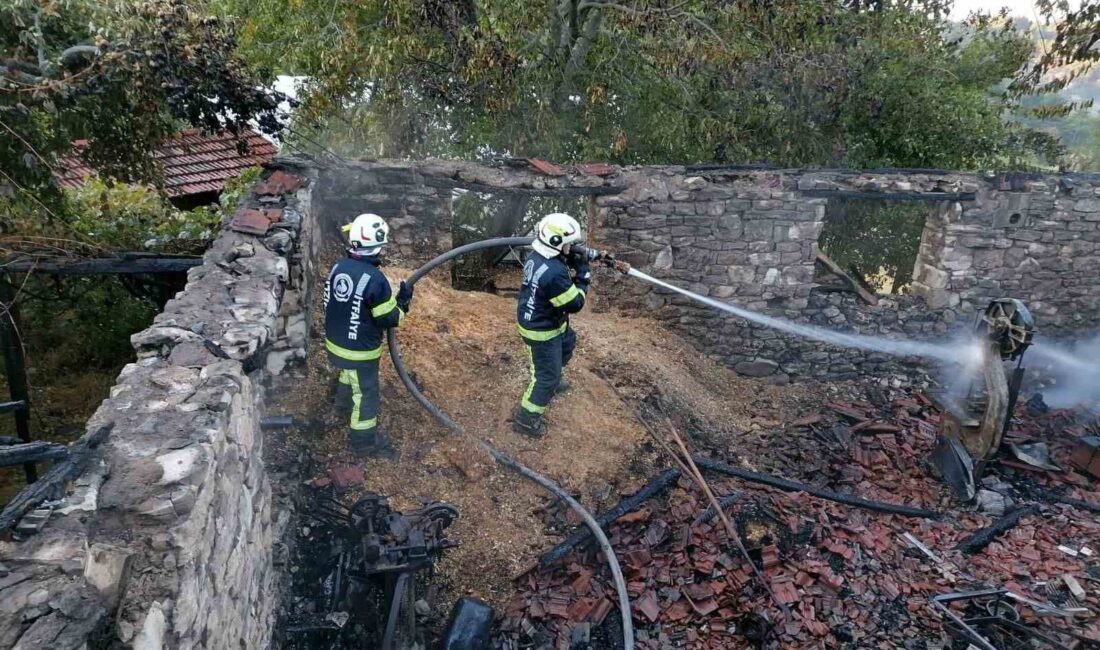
<point x="15" y="366"/>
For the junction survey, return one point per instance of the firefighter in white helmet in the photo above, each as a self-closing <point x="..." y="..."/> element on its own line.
<point x="359" y="307"/>
<point x="548" y="295"/>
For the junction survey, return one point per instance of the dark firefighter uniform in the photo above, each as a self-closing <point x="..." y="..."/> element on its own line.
<point x="546" y="298"/>
<point x="359" y="307"/>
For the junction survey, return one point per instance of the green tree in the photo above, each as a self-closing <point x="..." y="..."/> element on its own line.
<point x="122" y="75"/>
<point x="794" y="82"/>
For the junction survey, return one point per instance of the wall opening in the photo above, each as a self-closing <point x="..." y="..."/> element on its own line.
<point x="478" y="215"/>
<point x="876" y="240"/>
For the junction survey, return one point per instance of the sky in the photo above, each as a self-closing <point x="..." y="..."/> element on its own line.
<point x="1022" y="8"/>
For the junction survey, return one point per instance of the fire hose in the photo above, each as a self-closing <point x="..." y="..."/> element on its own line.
<point x="501" y="457"/>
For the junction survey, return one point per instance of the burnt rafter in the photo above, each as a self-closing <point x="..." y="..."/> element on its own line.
<point x="117" y="264"/>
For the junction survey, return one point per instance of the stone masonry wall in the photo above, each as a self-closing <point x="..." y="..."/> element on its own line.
<point x="166" y="540"/>
<point x="419" y="215"/>
<point x="748" y="236"/>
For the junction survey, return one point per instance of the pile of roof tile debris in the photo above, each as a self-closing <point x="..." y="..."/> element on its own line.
<point x="846" y="576"/>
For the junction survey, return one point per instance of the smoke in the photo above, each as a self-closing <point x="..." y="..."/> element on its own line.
<point x="1074" y="371"/>
<point x="965" y="351"/>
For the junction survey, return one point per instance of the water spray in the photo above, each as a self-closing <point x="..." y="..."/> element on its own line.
<point x="966" y="352"/>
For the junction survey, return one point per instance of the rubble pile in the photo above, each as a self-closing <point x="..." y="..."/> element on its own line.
<point x="848" y="577"/>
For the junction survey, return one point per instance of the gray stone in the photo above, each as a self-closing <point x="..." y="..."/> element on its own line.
<point x="664" y="259"/>
<point x="756" y="368"/>
<point x="106" y="569"/>
<point x="151" y="635"/>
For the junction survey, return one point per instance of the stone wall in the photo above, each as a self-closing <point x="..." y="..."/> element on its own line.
<point x="748" y="236"/>
<point x="419" y="215"/>
<point x="166" y="540"/>
<point x="1036" y="238"/>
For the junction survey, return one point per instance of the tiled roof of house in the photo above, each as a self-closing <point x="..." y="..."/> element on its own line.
<point x="193" y="162"/>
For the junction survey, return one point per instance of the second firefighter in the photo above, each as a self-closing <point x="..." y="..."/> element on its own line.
<point x="549" y="294"/>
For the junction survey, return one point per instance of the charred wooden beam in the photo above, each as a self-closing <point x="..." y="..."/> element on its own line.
<point x="52" y="484"/>
<point x="31" y="452"/>
<point x="15" y="366"/>
<point x="793" y="486"/>
<point x="856" y="286"/>
<point x="934" y="197"/>
<point x="985" y="536"/>
<point x="119" y="265"/>
<point x="578" y="539"/>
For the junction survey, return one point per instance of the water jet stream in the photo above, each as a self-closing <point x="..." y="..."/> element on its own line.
<point x="961" y="352"/>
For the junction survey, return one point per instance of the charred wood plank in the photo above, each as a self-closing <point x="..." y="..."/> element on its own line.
<point x="985" y="536"/>
<point x="97" y="266"/>
<point x="890" y="196"/>
<point x="31" y="452"/>
<point x="53" y="484"/>
<point x="578" y="539"/>
<point x="793" y="486"/>
<point x="710" y="512"/>
<point x="1076" y="503"/>
<point x="856" y="286"/>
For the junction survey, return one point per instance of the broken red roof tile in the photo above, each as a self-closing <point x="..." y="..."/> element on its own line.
<point x="595" y="169"/>
<point x="346" y="476"/>
<point x="277" y="184"/>
<point x="580" y="609"/>
<point x="544" y="167"/>
<point x="677" y="611"/>
<point x="647" y="606"/>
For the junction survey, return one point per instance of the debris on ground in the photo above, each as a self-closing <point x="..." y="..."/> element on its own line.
<point x="851" y="577"/>
<point x="848" y="576"/>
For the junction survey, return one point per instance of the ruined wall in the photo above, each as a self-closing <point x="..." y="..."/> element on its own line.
<point x="419" y="215"/>
<point x="748" y="236"/>
<point x="166" y="541"/>
<point x="1036" y="238"/>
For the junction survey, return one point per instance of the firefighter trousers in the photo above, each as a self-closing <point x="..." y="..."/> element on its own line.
<point x="358" y="392"/>
<point x="546" y="360"/>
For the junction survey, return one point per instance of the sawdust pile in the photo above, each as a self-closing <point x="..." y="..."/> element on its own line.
<point x="463" y="349"/>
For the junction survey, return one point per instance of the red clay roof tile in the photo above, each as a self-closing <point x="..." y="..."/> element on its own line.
<point x="193" y="162"/>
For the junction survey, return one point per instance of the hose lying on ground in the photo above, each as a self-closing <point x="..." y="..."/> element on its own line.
<point x="501" y="457"/>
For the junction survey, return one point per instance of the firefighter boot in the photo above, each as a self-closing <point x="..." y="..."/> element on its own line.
<point x="528" y="423"/>
<point x="372" y="443"/>
<point x="563" y="386"/>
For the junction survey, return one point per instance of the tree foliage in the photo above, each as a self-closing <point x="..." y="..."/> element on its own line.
<point x="122" y="75"/>
<point x="1074" y="51"/>
<point x="794" y="82"/>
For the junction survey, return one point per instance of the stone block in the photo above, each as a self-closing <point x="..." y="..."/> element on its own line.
<point x="151" y="635"/>
<point x="106" y="569"/>
<point x="756" y="368"/>
<point x="742" y="274"/>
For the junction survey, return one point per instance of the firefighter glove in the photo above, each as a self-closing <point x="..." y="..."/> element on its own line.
<point x="404" y="296"/>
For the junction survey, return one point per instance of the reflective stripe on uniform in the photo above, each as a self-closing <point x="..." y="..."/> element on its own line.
<point x="353" y="355"/>
<point x="384" y="308"/>
<point x="565" y="296"/>
<point x="349" y="376"/>
<point x="526" y="402"/>
<point x="541" y="335"/>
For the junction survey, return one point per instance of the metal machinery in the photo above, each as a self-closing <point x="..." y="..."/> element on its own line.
<point x="367" y="560"/>
<point x="991" y="619"/>
<point x="975" y="423"/>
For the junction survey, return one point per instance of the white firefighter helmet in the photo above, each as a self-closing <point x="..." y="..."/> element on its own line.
<point x="367" y="233"/>
<point x="554" y="232"/>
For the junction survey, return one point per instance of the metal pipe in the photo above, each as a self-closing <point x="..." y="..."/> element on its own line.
<point x="501" y="457"/>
